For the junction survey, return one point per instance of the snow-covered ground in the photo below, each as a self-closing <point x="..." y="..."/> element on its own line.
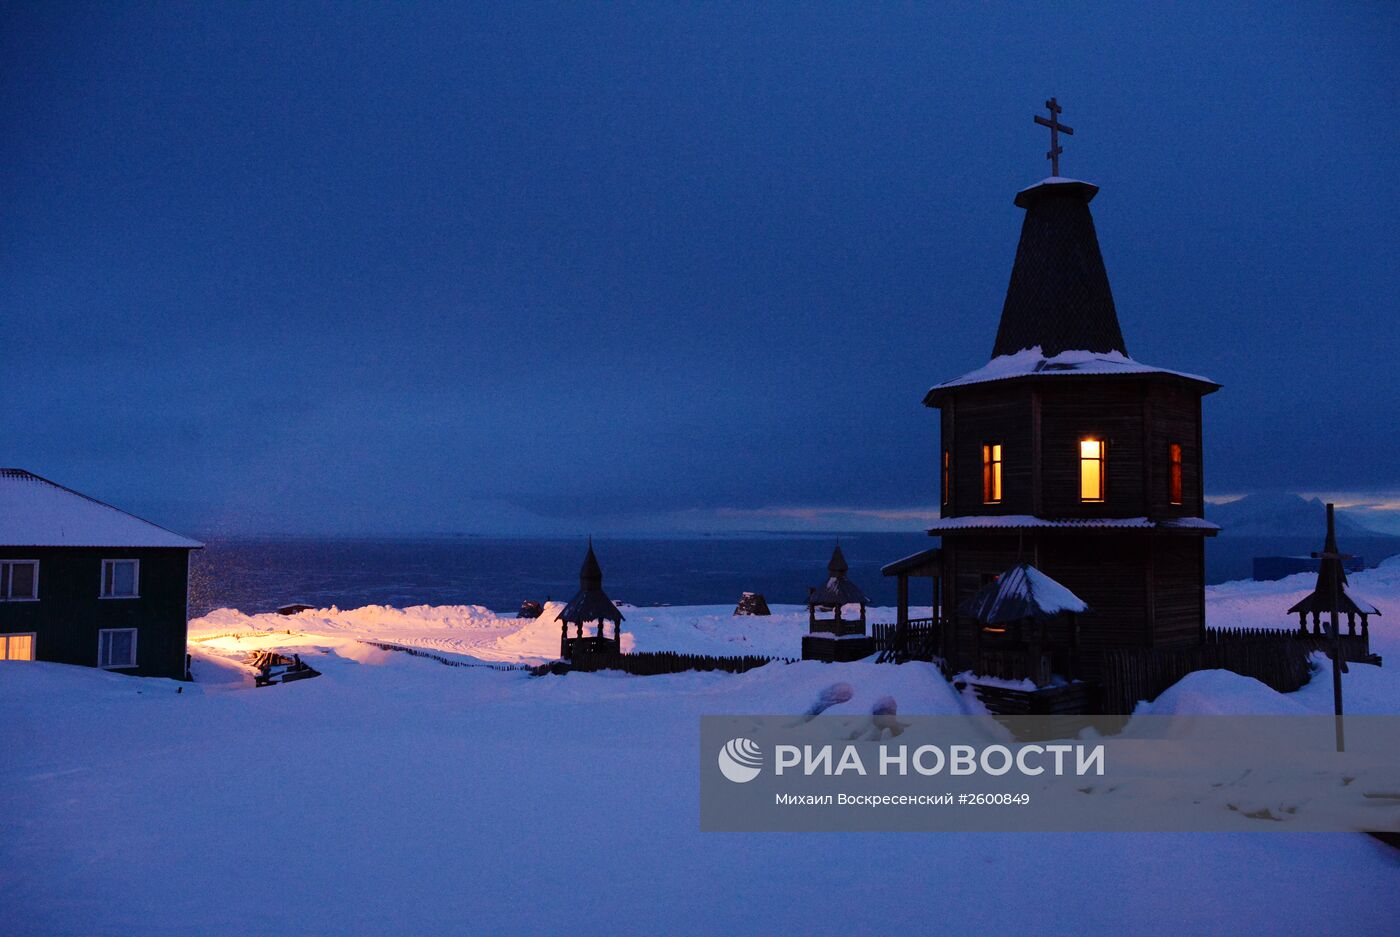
<point x="476" y="633"/>
<point x="394" y="795"/>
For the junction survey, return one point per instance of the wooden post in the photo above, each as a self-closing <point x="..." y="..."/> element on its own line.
<point x="1037" y="496"/>
<point x="1337" y="664"/>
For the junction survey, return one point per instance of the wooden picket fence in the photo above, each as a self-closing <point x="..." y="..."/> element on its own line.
<point x="654" y="663"/>
<point x="1279" y="660"/>
<point x="1355" y="647"/>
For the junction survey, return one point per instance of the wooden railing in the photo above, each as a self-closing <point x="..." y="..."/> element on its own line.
<point x="918" y="639"/>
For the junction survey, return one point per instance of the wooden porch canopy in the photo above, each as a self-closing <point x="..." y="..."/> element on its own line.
<point x="921" y="565"/>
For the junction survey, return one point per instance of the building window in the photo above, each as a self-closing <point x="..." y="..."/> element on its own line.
<point x="991" y="473"/>
<point x="17" y="646"/>
<point x="120" y="579"/>
<point x="947" y="475"/>
<point x="1092" y="463"/>
<point x="19" y="580"/>
<point x="1175" y="475"/>
<point x="116" y="647"/>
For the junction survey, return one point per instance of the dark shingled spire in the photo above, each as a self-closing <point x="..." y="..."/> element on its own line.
<point x="591" y="603"/>
<point x="838" y="589"/>
<point x="590" y="575"/>
<point x="837" y="566"/>
<point x="1059" y="297"/>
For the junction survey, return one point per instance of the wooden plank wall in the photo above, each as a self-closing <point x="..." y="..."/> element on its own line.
<point x="1139" y="420"/>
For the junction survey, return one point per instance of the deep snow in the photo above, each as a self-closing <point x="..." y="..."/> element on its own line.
<point x="396" y="795"/>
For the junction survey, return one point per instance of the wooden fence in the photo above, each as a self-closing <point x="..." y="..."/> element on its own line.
<point x="1355" y="647"/>
<point x="920" y="640"/>
<point x="1279" y="661"/>
<point x="654" y="663"/>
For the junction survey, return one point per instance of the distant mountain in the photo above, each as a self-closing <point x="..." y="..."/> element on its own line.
<point x="1282" y="515"/>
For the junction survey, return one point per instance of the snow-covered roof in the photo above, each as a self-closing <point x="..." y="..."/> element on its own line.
<point x="35" y="512"/>
<point x="1031" y="361"/>
<point x="1055" y="180"/>
<point x="1019" y="593"/>
<point x="1022" y="521"/>
<point x="1348" y="602"/>
<point x="1362" y="605"/>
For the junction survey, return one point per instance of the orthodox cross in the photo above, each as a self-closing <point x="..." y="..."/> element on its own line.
<point x="1056" y="128"/>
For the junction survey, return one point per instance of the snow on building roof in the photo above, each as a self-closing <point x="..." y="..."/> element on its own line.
<point x="1057" y="180"/>
<point x="1023" y="521"/>
<point x="838" y="590"/>
<point x="1019" y="593"/>
<point x="924" y="559"/>
<point x="1032" y="362"/>
<point x="1348" y="602"/>
<point x="35" y="512"/>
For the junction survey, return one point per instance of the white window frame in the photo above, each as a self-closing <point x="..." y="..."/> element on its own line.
<point x="5" y="576"/>
<point x="135" y="579"/>
<point x="130" y="666"/>
<point x="33" y="637"/>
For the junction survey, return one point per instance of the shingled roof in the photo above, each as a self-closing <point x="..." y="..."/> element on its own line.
<point x="1059" y="298"/>
<point x="1332" y="580"/>
<point x="1022" y="592"/>
<point x="838" y="590"/>
<point x="591" y="603"/>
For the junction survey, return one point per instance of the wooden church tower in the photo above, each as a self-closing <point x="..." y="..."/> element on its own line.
<point x="1066" y="453"/>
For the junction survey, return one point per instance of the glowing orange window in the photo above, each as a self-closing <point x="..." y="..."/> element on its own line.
<point x="991" y="473"/>
<point x="1175" y="474"/>
<point x="1092" y="468"/>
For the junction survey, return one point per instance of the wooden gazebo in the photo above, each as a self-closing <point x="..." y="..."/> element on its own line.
<point x="590" y="605"/>
<point x="1026" y="626"/>
<point x="1332" y="587"/>
<point x="836" y="638"/>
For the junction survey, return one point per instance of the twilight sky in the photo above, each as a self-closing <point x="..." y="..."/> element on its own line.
<point x="342" y="269"/>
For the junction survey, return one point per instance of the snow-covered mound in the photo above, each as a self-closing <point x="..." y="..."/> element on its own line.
<point x="1222" y="693"/>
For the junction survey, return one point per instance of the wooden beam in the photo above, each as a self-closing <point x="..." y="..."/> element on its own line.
<point x="1037" y="497"/>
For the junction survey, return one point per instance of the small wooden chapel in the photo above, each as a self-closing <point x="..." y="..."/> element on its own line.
<point x="1065" y="453"/>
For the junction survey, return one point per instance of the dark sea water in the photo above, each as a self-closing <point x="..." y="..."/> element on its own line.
<point x="259" y="575"/>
